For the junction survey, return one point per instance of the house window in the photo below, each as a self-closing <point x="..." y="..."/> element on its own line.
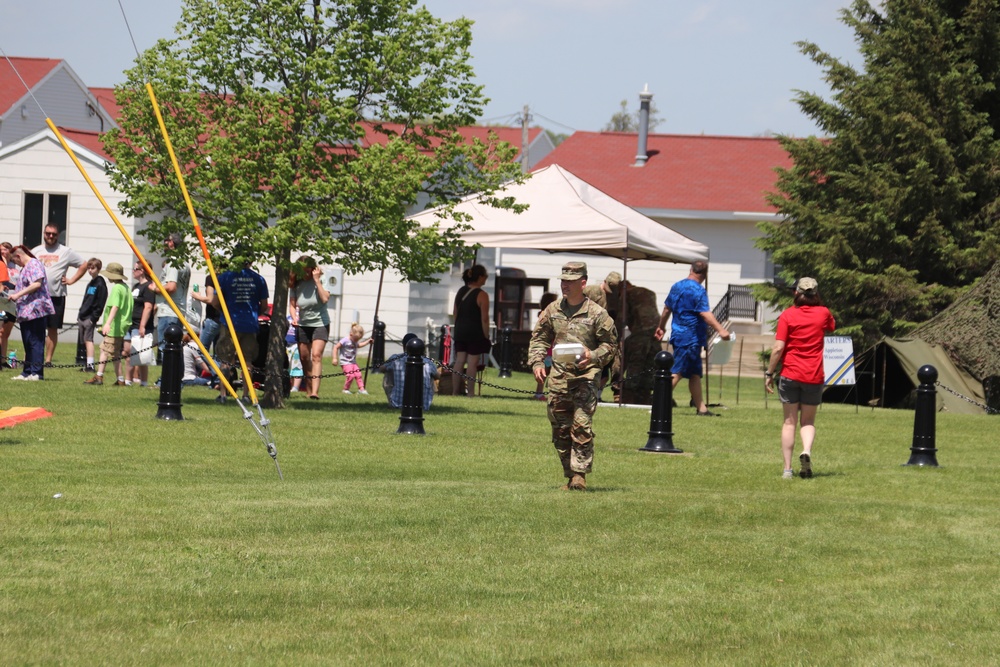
<point x="41" y="209"/>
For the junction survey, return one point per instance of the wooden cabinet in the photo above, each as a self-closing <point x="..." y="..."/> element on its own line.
<point x="511" y="306"/>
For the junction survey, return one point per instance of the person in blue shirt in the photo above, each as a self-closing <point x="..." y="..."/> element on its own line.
<point x="394" y="375"/>
<point x="688" y="303"/>
<point x="246" y="297"/>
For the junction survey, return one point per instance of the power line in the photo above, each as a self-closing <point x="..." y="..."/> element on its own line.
<point x="571" y="129"/>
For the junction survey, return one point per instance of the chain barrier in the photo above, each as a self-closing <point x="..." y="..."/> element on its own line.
<point x="111" y="360"/>
<point x="988" y="409"/>
<point x="618" y="384"/>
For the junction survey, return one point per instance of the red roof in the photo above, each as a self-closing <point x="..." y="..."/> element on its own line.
<point x="106" y="97"/>
<point x="512" y="135"/>
<point x="89" y="140"/>
<point x="685" y="172"/>
<point x="32" y="70"/>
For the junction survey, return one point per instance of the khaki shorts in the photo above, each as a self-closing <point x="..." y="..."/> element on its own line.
<point x="226" y="352"/>
<point x="112" y="346"/>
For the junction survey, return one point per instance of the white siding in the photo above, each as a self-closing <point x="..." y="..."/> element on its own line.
<point x="45" y="167"/>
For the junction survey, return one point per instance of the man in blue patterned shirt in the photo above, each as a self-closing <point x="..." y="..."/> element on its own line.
<point x="394" y="370"/>
<point x="688" y="303"/>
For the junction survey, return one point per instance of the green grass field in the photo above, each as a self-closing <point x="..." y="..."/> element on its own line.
<point x="175" y="542"/>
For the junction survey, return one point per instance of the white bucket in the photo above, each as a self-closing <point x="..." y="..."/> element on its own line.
<point x="722" y="350"/>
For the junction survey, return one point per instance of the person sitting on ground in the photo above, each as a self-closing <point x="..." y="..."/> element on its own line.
<point x="194" y="366"/>
<point x="394" y="370"/>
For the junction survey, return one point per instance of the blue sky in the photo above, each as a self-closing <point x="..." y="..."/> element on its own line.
<point x="724" y="67"/>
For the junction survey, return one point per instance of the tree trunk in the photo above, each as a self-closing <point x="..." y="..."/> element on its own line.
<point x="276" y="374"/>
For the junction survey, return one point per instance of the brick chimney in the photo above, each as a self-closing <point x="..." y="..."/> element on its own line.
<point x="645" y="98"/>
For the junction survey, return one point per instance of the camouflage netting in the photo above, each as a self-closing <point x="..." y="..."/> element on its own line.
<point x="968" y="330"/>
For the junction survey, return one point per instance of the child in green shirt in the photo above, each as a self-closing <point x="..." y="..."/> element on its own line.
<point x="117" y="321"/>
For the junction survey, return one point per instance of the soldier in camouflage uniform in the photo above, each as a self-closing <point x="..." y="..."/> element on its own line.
<point x="642" y="315"/>
<point x="572" y="394"/>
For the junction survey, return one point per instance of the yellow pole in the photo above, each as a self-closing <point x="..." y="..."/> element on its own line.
<point x="248" y="383"/>
<point x="138" y="253"/>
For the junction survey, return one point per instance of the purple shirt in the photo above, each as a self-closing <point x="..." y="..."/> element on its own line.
<point x="38" y="303"/>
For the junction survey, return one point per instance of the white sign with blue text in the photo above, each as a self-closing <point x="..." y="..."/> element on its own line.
<point x="838" y="360"/>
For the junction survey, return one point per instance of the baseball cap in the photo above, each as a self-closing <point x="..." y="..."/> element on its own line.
<point x="806" y="285"/>
<point x="573" y="271"/>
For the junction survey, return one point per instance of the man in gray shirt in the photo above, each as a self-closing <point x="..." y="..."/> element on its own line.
<point x="175" y="281"/>
<point x="57" y="259"/>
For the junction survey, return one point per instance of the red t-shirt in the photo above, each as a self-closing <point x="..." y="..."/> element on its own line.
<point x="802" y="329"/>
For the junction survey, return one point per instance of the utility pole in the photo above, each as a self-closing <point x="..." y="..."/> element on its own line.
<point x="525" y="119"/>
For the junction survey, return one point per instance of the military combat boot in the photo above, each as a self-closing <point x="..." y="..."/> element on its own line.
<point x="579" y="482"/>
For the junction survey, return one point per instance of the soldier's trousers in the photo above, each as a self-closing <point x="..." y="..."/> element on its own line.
<point x="571" y="413"/>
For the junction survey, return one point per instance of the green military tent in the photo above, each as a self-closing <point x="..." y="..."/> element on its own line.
<point x="960" y="342"/>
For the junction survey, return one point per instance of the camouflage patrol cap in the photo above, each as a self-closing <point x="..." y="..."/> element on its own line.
<point x="573" y="271"/>
<point x="806" y="285"/>
<point x="613" y="280"/>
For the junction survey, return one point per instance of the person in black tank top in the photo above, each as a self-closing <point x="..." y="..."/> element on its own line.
<point x="472" y="326"/>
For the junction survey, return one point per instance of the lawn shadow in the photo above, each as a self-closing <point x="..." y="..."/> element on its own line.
<point x="10" y="442"/>
<point x="382" y="406"/>
<point x="826" y="474"/>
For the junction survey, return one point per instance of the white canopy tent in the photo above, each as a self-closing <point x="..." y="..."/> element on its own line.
<point x="567" y="214"/>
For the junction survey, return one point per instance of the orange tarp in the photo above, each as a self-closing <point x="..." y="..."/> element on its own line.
<point x="16" y="415"/>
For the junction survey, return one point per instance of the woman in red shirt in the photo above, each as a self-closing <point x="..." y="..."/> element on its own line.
<point x="798" y="346"/>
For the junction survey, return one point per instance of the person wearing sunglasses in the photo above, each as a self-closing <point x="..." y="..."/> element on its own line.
<point x="57" y="260"/>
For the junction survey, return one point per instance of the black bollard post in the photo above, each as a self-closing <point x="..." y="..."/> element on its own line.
<point x="661" y="438"/>
<point x="411" y="417"/>
<point x="377" y="357"/>
<point x="81" y="351"/>
<point x="506" y="352"/>
<point x="173" y="372"/>
<point x="922" y="451"/>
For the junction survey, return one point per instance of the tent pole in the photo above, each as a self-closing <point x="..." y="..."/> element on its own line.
<point x="884" y="355"/>
<point x="762" y="348"/>
<point x="622" y="305"/>
<point x="378" y="301"/>
<point x="739" y="372"/>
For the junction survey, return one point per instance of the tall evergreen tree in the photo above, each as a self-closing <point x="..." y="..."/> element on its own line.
<point x="895" y="211"/>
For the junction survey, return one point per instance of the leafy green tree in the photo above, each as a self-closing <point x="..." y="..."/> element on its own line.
<point x="308" y="127"/>
<point x="895" y="212"/>
<point x="624" y="120"/>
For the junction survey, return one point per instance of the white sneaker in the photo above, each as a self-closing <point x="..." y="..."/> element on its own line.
<point x="27" y="378"/>
<point x="362" y="392"/>
<point x="17" y="377"/>
<point x="347" y="391"/>
<point x="788" y="474"/>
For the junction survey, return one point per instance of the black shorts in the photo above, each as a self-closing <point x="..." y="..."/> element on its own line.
<point x="308" y="335"/>
<point x="481" y="346"/>
<point x="55" y="321"/>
